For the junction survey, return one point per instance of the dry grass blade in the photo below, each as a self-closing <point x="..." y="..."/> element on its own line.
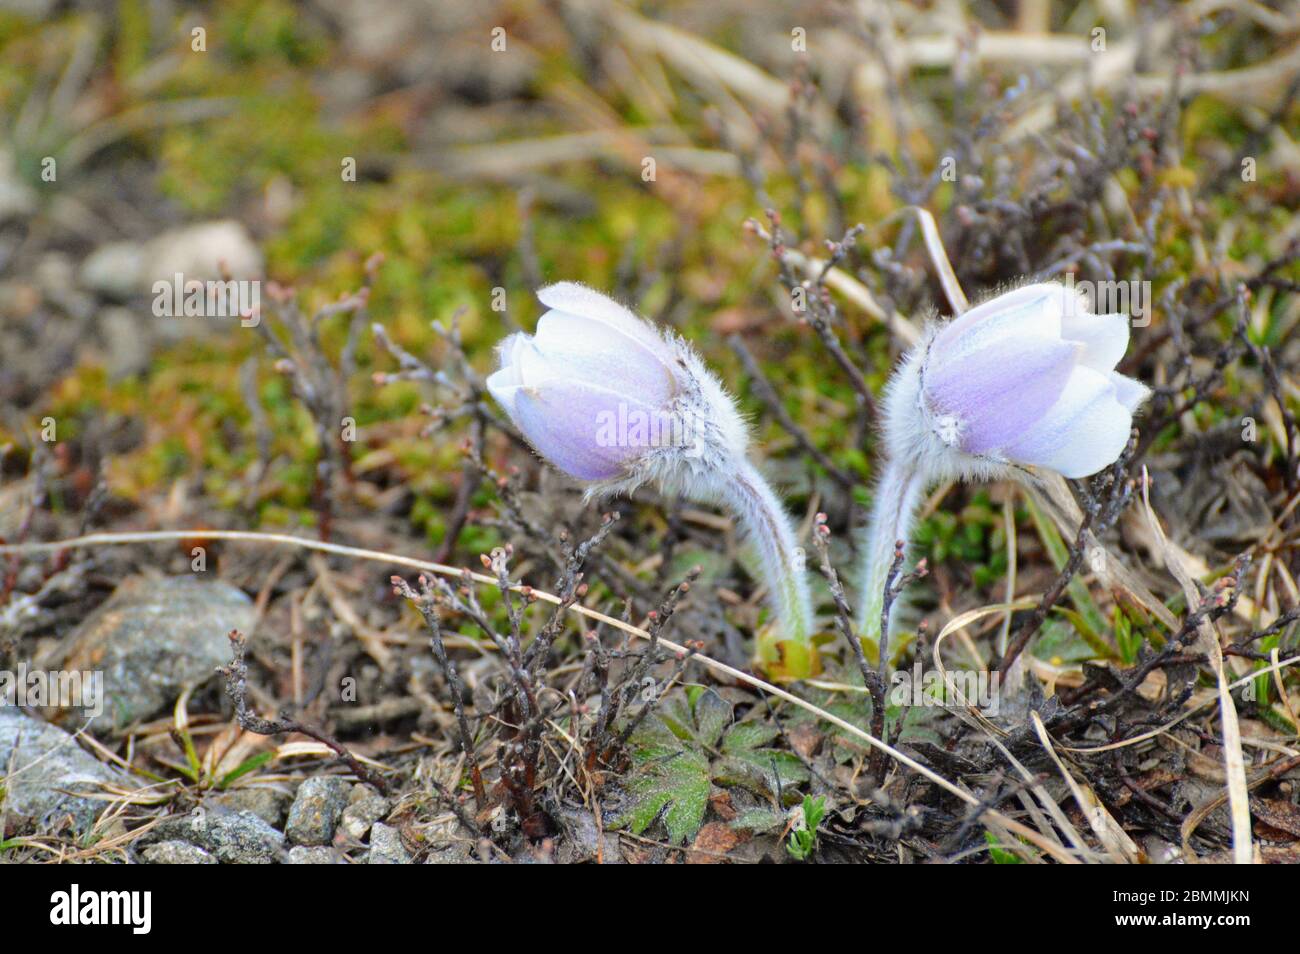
<point x="994" y="733"/>
<point x="1191" y="711"/>
<point x="1108" y="831"/>
<point x="1281" y="690"/>
<point x="1234" y="761"/>
<point x="701" y="60"/>
<point x="939" y="256"/>
<point x="960" y="622"/>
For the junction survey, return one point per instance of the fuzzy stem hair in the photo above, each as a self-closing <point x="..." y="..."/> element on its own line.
<point x="781" y="562"/>
<point x="893" y="513"/>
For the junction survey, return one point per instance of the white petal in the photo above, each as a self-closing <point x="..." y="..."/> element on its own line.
<point x="1084" y="432"/>
<point x="1031" y="310"/>
<point x="503" y="382"/>
<point x="1104" y="338"/>
<point x="1129" y="392"/>
<point x="575" y="299"/>
<point x="1053" y="293"/>
<point x="536" y="368"/>
<point x="506" y="359"/>
<point x="604" y="355"/>
<point x="503" y="385"/>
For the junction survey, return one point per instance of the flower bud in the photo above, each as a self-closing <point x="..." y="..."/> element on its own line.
<point x="606" y="397"/>
<point x="1026" y="378"/>
<point x="609" y="399"/>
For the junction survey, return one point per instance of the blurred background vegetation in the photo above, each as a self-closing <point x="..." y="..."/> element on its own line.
<point x="505" y="144"/>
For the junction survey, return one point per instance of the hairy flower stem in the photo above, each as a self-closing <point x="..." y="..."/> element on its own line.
<point x="892" y="515"/>
<point x="781" y="562"/>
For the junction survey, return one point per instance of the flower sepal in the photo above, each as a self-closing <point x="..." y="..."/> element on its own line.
<point x="782" y="659"/>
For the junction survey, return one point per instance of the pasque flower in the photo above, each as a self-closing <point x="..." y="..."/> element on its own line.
<point x="612" y="401"/>
<point x="1026" y="380"/>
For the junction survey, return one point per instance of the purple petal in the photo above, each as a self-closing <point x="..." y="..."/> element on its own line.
<point x="1084" y="432"/>
<point x="997" y="392"/>
<point x="580" y="429"/>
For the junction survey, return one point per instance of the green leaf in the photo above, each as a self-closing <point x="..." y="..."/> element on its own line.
<point x="712" y="716"/>
<point x="814" y="809"/>
<point x="1000" y="856"/>
<point x="681" y="784"/>
<point x="758" y="820"/>
<point x="700" y="716"/>
<point x="745" y="736"/>
<point x="194" y="771"/>
<point x="691" y="743"/>
<point x="1094" y="621"/>
<point x="800" y="845"/>
<point x="675" y="713"/>
<point x="746" y="761"/>
<point x="1126" y="640"/>
<point x="1089" y="635"/>
<point x="1060" y="640"/>
<point x="803" y="837"/>
<point x="652" y="740"/>
<point x="250" y="764"/>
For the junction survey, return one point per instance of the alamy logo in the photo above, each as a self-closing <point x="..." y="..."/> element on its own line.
<point x="957" y="689"/>
<point x="1131" y="298"/>
<point x="134" y="908"/>
<point x="635" y="426"/>
<point x="55" y="688"/>
<point x="180" y="298"/>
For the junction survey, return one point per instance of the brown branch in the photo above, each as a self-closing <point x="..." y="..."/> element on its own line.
<point x="236" y="674"/>
<point x="425" y="602"/>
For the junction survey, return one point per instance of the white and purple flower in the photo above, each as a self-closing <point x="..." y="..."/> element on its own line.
<point x="1025" y="380"/>
<point x="612" y="401"/>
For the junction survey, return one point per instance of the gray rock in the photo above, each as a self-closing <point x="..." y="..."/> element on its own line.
<point x="314" y="855"/>
<point x="268" y="804"/>
<point x="583" y="841"/>
<point x="114" y="270"/>
<point x="237" y="838"/>
<point x="459" y="853"/>
<point x="204" y="251"/>
<point x="49" y="765"/>
<point x="31" y="9"/>
<point x="243" y="838"/>
<point x="154" y="637"/>
<point x="316" y="810"/>
<point x="176" y="853"/>
<point x="55" y="276"/>
<point x="365" y="807"/>
<point x="386" y="846"/>
<point x="126" y="350"/>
